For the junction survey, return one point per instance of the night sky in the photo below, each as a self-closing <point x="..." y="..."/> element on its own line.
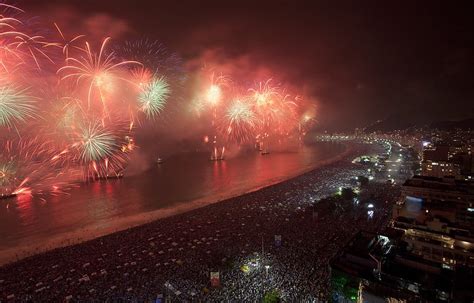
<point x="359" y="62"/>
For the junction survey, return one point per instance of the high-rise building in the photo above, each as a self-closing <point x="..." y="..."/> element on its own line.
<point x="380" y="268"/>
<point x="444" y="198"/>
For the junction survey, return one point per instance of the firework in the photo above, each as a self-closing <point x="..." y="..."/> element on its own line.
<point x="9" y="59"/>
<point x="197" y="106"/>
<point x="153" y="97"/>
<point x="213" y="94"/>
<point x="86" y="112"/>
<point x="25" y="168"/>
<point x="9" y="55"/>
<point x="276" y="111"/>
<point x="98" y="70"/>
<point x="264" y="94"/>
<point x="240" y="121"/>
<point x="141" y="76"/>
<point x="34" y="46"/>
<point x="157" y="62"/>
<point x="308" y="116"/>
<point x="212" y="97"/>
<point x="68" y="115"/>
<point x="266" y="103"/>
<point x="98" y="149"/>
<point x="96" y="143"/>
<point x="6" y="22"/>
<point x="67" y="44"/>
<point x="155" y="57"/>
<point x="16" y="105"/>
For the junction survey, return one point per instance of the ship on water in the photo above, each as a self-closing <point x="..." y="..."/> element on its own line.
<point x="216" y="156"/>
<point x="109" y="176"/>
<point x="263" y="150"/>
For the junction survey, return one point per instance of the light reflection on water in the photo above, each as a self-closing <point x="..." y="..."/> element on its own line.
<point x="180" y="179"/>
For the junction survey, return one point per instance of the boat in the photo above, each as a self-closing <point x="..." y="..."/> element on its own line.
<point x="107" y="177"/>
<point x="216" y="158"/>
<point x="264" y="152"/>
<point x="159" y="160"/>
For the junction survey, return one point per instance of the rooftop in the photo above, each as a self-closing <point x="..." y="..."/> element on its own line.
<point x="444" y="184"/>
<point x="400" y="270"/>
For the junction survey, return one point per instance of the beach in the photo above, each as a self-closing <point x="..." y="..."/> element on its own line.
<point x="174" y="255"/>
<point x="74" y="217"/>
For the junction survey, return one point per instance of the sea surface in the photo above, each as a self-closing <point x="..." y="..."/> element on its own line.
<point x="182" y="182"/>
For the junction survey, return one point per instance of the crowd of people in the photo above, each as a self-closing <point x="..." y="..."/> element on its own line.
<point x="280" y="238"/>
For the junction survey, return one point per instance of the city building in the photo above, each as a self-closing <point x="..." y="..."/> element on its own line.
<point x="440" y="169"/>
<point x="436" y="162"/>
<point x="436" y="219"/>
<point x="431" y="189"/>
<point x="435" y="152"/>
<point x="426" y="254"/>
<point x="448" y="158"/>
<point x="450" y="201"/>
<point x="380" y="268"/>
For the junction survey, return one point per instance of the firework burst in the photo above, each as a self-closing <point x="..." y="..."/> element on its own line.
<point x="264" y="94"/>
<point x="66" y="44"/>
<point x="25" y="168"/>
<point x="33" y="46"/>
<point x="98" y="70"/>
<point x="153" y="97"/>
<point x="9" y="55"/>
<point x="16" y="105"/>
<point x="83" y="114"/>
<point x="98" y="149"/>
<point x="240" y="121"/>
<point x="96" y="143"/>
<point x="154" y="56"/>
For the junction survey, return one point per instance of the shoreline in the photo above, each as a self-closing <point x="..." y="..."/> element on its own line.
<point x="178" y="252"/>
<point x="121" y="224"/>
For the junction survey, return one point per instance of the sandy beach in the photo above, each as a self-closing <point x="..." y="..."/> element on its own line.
<point x="180" y="249"/>
<point x="118" y="224"/>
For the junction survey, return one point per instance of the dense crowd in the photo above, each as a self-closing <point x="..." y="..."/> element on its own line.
<point x="173" y="257"/>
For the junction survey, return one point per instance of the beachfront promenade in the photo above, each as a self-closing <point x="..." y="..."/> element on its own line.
<point x="174" y="256"/>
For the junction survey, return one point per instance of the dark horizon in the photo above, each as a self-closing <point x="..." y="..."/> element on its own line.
<point x="358" y="62"/>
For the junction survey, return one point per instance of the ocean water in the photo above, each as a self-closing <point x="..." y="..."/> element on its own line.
<point x="180" y="183"/>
